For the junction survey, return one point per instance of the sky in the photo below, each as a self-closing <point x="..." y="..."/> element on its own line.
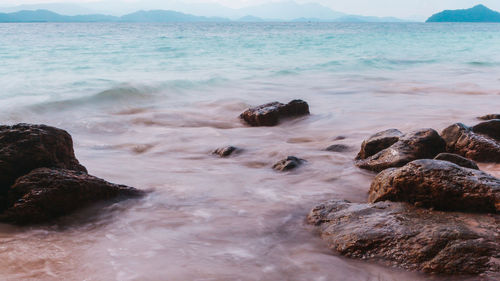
<point x="395" y="8"/>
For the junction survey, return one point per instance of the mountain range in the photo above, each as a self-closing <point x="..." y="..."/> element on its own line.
<point x="479" y="13"/>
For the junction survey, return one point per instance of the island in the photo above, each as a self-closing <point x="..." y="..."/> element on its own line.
<point x="479" y="13"/>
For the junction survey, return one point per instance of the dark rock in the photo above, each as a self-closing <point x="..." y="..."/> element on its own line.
<point x="411" y="238"/>
<point x="461" y="140"/>
<point x="489" y="128"/>
<point x="338" y="148"/>
<point x="271" y="113"/>
<point x="226" y="151"/>
<point x="290" y="163"/>
<point x="457" y="159"/>
<point x="438" y="184"/>
<point x="45" y="194"/>
<point x="378" y="142"/>
<point x="490" y="117"/>
<point x="420" y="144"/>
<point x="25" y="147"/>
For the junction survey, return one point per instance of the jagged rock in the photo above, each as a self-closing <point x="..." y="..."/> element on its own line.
<point x="489" y="128"/>
<point x="45" y="194"/>
<point x="457" y="159"/>
<point x="290" y="163"/>
<point x="338" y="148"/>
<point x="271" y="113"/>
<point x="438" y="184"/>
<point x="420" y="144"/>
<point x="411" y="238"/>
<point x="378" y="142"/>
<point x="461" y="140"/>
<point x="226" y="151"/>
<point x="490" y="117"/>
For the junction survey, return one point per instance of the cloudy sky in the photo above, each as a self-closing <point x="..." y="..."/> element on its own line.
<point x="396" y="8"/>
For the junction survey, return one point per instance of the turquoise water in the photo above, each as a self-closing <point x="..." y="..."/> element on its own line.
<point x="147" y="103"/>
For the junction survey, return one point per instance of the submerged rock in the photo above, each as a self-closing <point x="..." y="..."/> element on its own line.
<point x="420" y="144"/>
<point x="490" y="117"/>
<point x="412" y="238"/>
<point x="226" y="151"/>
<point x="271" y="113"/>
<point x="338" y="148"/>
<point x="290" y="163"/>
<point x="438" y="184"/>
<point x="457" y="159"/>
<point x="461" y="140"/>
<point x="45" y="194"/>
<point x="378" y="142"/>
<point x="489" y="128"/>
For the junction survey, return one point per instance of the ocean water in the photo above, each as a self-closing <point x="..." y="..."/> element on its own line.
<point x="147" y="103"/>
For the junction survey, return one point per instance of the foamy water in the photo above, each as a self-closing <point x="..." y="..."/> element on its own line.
<point x="146" y="104"/>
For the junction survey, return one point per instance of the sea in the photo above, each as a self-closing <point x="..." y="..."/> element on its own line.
<point x="146" y="104"/>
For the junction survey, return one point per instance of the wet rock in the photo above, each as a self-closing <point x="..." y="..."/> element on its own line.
<point x="226" y="151"/>
<point x="490" y="117"/>
<point x="438" y="184"/>
<point x="411" y="238"/>
<point x="461" y="140"/>
<point x="378" y="142"/>
<point x="338" y="148"/>
<point x="45" y="194"/>
<point x="420" y="144"/>
<point x="25" y="147"/>
<point x="271" y="113"/>
<point x="290" y="163"/>
<point x="457" y="159"/>
<point x="489" y="128"/>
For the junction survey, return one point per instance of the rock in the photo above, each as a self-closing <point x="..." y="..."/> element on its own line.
<point x="457" y="159"/>
<point x="461" y="140"/>
<point x="45" y="194"/>
<point x="290" y="163"/>
<point x="490" y="117"/>
<point x="226" y="151"/>
<point x="411" y="238"/>
<point x="420" y="144"/>
<point x="378" y="142"/>
<point x="338" y="148"/>
<point x="25" y="147"/>
<point x="438" y="184"/>
<point x="489" y="128"/>
<point x="271" y="113"/>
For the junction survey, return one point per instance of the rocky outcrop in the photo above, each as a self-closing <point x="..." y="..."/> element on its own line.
<point x="338" y="148"/>
<point x="378" y="142"/>
<point x="45" y="194"/>
<point x="420" y="144"/>
<point x="226" y="151"/>
<point x="438" y="184"/>
<point x="457" y="159"/>
<point x="463" y="141"/>
<point x="490" y="117"/>
<point x="489" y="128"/>
<point x="289" y="163"/>
<point x="25" y="147"/>
<point x="412" y="238"/>
<point x="271" y="113"/>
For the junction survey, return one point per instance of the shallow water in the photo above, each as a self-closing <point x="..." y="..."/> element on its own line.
<point x="146" y="104"/>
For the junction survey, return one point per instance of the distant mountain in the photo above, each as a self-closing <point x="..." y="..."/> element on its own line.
<point x="167" y="16"/>
<point x="60" y="8"/>
<point x="479" y="13"/>
<point x="290" y="10"/>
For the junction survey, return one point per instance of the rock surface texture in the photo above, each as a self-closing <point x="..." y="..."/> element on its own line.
<point x="271" y="113"/>
<point x="289" y="163"/>
<point x="490" y="116"/>
<point x="463" y="141"/>
<point x="420" y="144"/>
<point x="489" y="128"/>
<point x="412" y="238"/>
<point x="457" y="159"/>
<point x="378" y="142"/>
<point x="226" y="151"/>
<point x="438" y="184"/>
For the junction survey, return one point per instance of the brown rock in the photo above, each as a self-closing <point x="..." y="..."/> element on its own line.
<point x="411" y="238"/>
<point x="378" y="142"/>
<point x="438" y="184"/>
<point x="489" y="128"/>
<point x="338" y="148"/>
<point x="290" y="163"/>
<point x="45" y="194"/>
<point x="271" y="113"/>
<point x="420" y="144"/>
<point x="226" y="151"/>
<point x="490" y="117"/>
<point x="461" y="140"/>
<point x="457" y="159"/>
